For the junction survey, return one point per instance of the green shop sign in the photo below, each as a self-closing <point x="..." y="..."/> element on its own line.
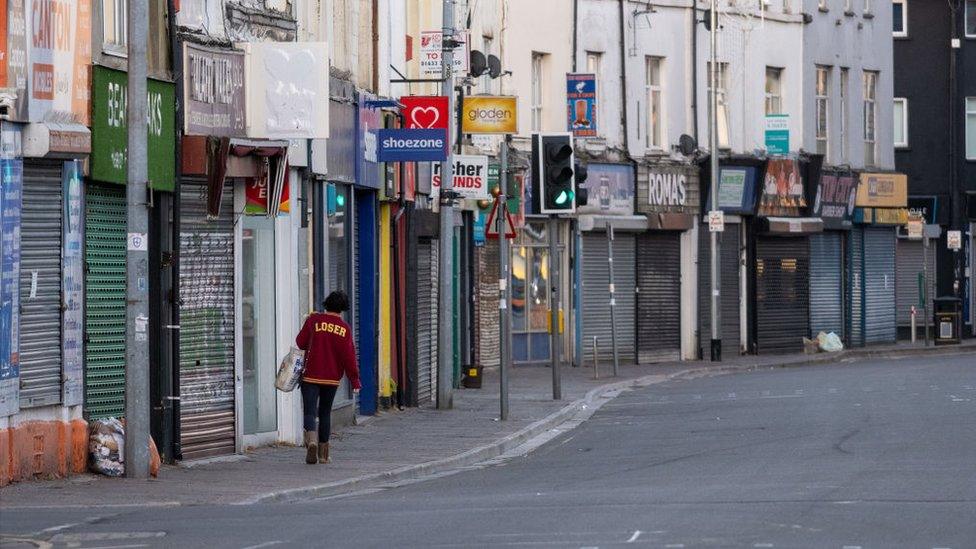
<point x="109" y="129"/>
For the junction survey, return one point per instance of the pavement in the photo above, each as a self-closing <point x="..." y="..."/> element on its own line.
<point x="397" y="446"/>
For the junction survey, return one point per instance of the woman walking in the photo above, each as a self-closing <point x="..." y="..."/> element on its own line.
<point x="329" y="352"/>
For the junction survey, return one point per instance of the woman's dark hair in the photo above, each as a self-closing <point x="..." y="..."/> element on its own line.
<point x="337" y="302"/>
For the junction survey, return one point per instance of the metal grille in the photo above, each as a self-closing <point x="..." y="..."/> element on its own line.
<point x="40" y="285"/>
<point x="105" y="243"/>
<point x="427" y="309"/>
<point x="910" y="255"/>
<point x="596" y="296"/>
<point x="827" y="283"/>
<point x="782" y="293"/>
<point x="855" y="287"/>
<point x="879" y="285"/>
<point x="207" y="389"/>
<point x="658" y="297"/>
<point x="729" y="265"/>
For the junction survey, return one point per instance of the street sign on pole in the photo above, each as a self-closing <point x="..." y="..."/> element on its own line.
<point x="494" y="225"/>
<point x="954" y="240"/>
<point x="716" y="221"/>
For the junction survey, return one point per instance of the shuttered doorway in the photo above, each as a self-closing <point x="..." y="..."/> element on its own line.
<point x="105" y="249"/>
<point x="879" y="285"/>
<point x="729" y="267"/>
<point x="909" y="265"/>
<point x="40" y="284"/>
<point x="596" y="296"/>
<point x="427" y="318"/>
<point x="827" y="283"/>
<point x="658" y="297"/>
<point x="782" y="294"/>
<point x="855" y="287"/>
<point x="207" y="324"/>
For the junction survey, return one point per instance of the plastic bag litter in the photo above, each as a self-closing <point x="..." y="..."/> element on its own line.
<point x="830" y="343"/>
<point x="106" y="448"/>
<point x="290" y="370"/>
<point x="810" y="346"/>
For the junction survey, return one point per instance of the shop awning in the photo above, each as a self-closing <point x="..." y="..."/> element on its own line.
<point x="791" y="225"/>
<point x="54" y="138"/>
<point x="670" y="221"/>
<point x="221" y="152"/>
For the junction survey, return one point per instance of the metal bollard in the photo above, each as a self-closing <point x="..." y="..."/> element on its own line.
<point x="913" y="325"/>
<point x="596" y="358"/>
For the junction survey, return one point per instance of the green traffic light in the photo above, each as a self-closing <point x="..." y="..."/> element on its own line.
<point x="341" y="200"/>
<point x="564" y="197"/>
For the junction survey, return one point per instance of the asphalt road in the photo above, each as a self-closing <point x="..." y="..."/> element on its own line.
<point x="868" y="454"/>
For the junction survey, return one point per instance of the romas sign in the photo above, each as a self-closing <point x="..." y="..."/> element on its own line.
<point x="470" y="177"/>
<point x="425" y="112"/>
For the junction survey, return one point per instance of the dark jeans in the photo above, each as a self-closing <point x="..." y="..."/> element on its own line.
<point x="317" y="402"/>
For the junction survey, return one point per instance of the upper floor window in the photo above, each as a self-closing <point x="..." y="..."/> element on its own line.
<point x="844" y="113"/>
<point x="867" y="6"/>
<point x="900" y="111"/>
<point x="971" y="18"/>
<point x="774" y="90"/>
<point x="114" y="26"/>
<point x="822" y="108"/>
<point x="899" y="17"/>
<point x="722" y="93"/>
<point x="594" y="66"/>
<point x="870" y="88"/>
<point x="971" y="128"/>
<point x="654" y="97"/>
<point x="538" y="90"/>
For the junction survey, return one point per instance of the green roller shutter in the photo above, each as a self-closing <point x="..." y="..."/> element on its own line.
<point x="105" y="240"/>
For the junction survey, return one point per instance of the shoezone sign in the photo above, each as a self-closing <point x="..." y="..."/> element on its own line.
<point x="470" y="177"/>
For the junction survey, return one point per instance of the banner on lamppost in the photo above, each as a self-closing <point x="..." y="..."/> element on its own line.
<point x="581" y="116"/>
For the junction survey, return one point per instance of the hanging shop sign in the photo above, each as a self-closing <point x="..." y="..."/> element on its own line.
<point x="431" y="50"/>
<point x="470" y="177"/>
<point x="663" y="188"/>
<point x="611" y="190"/>
<point x="514" y="200"/>
<point x="834" y="201"/>
<point x="782" y="193"/>
<point x="581" y="115"/>
<point x="737" y="189"/>
<point x="72" y="285"/>
<point x="489" y="114"/>
<point x="371" y="174"/>
<point x="213" y="91"/>
<point x="11" y="185"/>
<point x="110" y="130"/>
<point x="425" y="112"/>
<point x="400" y="145"/>
<point x="287" y="89"/>
<point x="882" y="199"/>
<point x="60" y="58"/>
<point x="13" y="66"/>
<point x="925" y="207"/>
<point x="778" y="134"/>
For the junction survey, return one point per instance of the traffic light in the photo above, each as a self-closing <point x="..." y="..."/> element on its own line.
<point x="582" y="193"/>
<point x="553" y="188"/>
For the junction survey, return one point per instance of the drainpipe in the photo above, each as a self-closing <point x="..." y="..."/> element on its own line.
<point x="375" y="12"/>
<point x="575" y="32"/>
<point x="694" y="69"/>
<point x="623" y="73"/>
<point x="172" y="449"/>
<point x="954" y="191"/>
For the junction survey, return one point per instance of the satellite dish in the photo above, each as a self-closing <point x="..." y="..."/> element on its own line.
<point x="478" y="63"/>
<point x="687" y="145"/>
<point x="494" y="66"/>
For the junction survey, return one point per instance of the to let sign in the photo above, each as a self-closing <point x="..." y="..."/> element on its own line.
<point x="778" y="134"/>
<point x="110" y="129"/>
<point x="431" y="50"/>
<point x="398" y="145"/>
<point x="470" y="177"/>
<point x="213" y="91"/>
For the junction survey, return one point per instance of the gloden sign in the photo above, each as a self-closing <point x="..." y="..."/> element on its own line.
<point x="399" y="145"/>
<point x="489" y="114"/>
<point x="470" y="177"/>
<point x="425" y="112"/>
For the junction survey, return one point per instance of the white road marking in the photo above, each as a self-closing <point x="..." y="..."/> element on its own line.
<point x="675" y="545"/>
<point x="782" y="396"/>
<point x="634" y="537"/>
<point x="762" y="545"/>
<point x="59" y="527"/>
<point x="852" y="547"/>
<point x="120" y="546"/>
<point x="265" y="544"/>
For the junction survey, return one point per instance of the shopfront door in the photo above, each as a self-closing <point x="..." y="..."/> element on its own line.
<point x="530" y="295"/>
<point x="258" y="324"/>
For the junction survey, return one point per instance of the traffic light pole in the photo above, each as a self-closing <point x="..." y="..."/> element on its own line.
<point x="137" y="250"/>
<point x="505" y="319"/>
<point x="445" y="329"/>
<point x="554" y="339"/>
<point x="716" y="273"/>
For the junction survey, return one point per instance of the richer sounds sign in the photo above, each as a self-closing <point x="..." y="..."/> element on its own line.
<point x="470" y="177"/>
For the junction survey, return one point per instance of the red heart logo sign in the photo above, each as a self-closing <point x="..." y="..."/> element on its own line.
<point x="424" y="117"/>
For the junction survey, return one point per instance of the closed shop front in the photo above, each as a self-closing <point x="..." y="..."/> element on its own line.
<point x="427" y="318"/>
<point x="668" y="194"/>
<point x="611" y="204"/>
<point x="782" y="293"/>
<point x="833" y="202"/>
<point x="105" y="283"/>
<point x="910" y="268"/>
<point x="40" y="283"/>
<point x="881" y="202"/>
<point x="855" y="287"/>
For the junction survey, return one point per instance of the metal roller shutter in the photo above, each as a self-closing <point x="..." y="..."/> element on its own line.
<point x="731" y="328"/>
<point x="596" y="296"/>
<point x="782" y="294"/>
<point x="40" y="284"/>
<point x="207" y="324"/>
<point x="855" y="287"/>
<point x="827" y="283"/>
<point x="879" y="285"/>
<point x="427" y="316"/>
<point x="658" y="297"/>
<point x="910" y="255"/>
<point x="105" y="283"/>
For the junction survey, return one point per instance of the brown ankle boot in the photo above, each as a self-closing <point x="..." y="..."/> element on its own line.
<point x="311" y="440"/>
<point x="323" y="452"/>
